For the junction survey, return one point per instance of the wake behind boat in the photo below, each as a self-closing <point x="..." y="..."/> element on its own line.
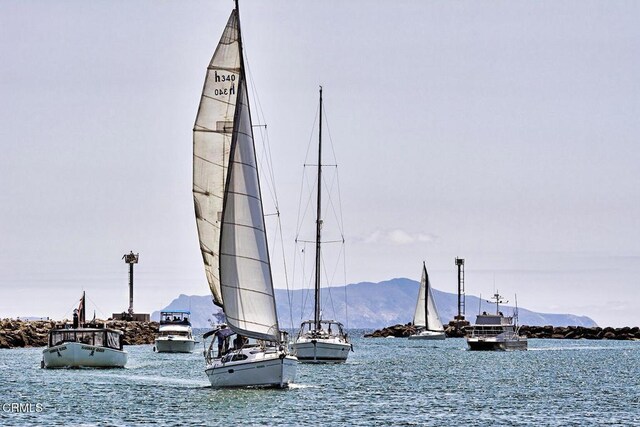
<point x="426" y="318"/>
<point x="231" y="228"/>
<point x="175" y="334"/>
<point x="83" y="345"/>
<point x="495" y="332"/>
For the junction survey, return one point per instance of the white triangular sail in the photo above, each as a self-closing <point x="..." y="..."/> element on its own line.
<point x="426" y="315"/>
<point x="227" y="197"/>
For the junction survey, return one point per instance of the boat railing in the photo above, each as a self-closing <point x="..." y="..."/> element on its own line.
<point x="487" y="331"/>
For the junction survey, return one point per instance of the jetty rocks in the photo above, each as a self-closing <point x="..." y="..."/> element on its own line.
<point x="34" y="333"/>
<point x="552" y="332"/>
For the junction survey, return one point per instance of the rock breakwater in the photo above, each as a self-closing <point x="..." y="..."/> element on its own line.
<point x="34" y="333"/>
<point x="552" y="332"/>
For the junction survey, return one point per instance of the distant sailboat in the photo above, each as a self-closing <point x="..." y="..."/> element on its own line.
<point x="320" y="340"/>
<point x="231" y="229"/>
<point x="426" y="317"/>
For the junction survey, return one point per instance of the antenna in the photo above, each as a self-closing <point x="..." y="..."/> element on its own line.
<point x="498" y="300"/>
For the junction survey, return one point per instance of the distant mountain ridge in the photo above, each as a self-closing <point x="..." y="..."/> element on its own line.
<point x="370" y="306"/>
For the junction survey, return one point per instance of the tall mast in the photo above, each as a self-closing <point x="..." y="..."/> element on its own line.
<point x="426" y="296"/>
<point x="316" y="315"/>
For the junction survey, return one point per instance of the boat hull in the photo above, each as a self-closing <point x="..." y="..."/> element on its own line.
<point x="428" y="335"/>
<point x="321" y="351"/>
<point x="479" y="344"/>
<point x="174" y="345"/>
<point x="79" y="355"/>
<point x="261" y="370"/>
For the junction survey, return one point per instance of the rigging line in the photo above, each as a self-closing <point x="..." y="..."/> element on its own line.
<point x="344" y="278"/>
<point x="267" y="158"/>
<point x="340" y="204"/>
<point x="286" y="276"/>
<point x="95" y="306"/>
<point x="300" y="204"/>
<point x="293" y="276"/>
<point x="309" y="203"/>
<point x="304" y="174"/>
<point x="328" y="287"/>
<point x="330" y="202"/>
<point x="313" y="127"/>
<point x="326" y="121"/>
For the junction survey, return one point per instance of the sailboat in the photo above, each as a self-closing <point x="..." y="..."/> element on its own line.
<point x="426" y="317"/>
<point x="231" y="229"/>
<point x="320" y="340"/>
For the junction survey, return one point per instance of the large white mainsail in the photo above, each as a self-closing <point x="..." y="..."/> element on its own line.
<point x="426" y="314"/>
<point x="227" y="197"/>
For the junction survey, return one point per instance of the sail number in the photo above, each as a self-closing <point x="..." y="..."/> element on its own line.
<point x="224" y="78"/>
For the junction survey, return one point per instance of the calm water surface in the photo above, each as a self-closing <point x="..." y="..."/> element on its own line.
<point x="385" y="382"/>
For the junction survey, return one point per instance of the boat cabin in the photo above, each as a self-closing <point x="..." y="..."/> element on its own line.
<point x="327" y="328"/>
<point x="488" y="325"/>
<point x="110" y="338"/>
<point x="175" y="317"/>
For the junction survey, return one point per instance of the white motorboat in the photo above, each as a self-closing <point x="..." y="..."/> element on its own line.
<point x="426" y="318"/>
<point x="231" y="228"/>
<point x="83" y="345"/>
<point x="175" y="334"/>
<point x="495" y="332"/>
<point x="318" y="340"/>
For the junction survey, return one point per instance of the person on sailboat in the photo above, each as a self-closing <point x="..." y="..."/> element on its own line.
<point x="223" y="335"/>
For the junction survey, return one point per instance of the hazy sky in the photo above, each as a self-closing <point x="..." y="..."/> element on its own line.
<point x="504" y="132"/>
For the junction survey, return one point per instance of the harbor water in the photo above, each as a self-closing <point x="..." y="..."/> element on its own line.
<point x="386" y="381"/>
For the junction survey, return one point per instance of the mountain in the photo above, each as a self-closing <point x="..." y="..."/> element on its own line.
<point x="370" y="306"/>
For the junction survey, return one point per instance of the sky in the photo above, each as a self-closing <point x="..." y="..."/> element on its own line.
<point x="502" y="132"/>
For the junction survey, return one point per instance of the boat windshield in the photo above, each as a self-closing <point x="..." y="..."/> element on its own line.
<point x="175" y="317"/>
<point x="100" y="338"/>
<point x="327" y="327"/>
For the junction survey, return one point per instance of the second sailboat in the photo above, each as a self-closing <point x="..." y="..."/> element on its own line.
<point x="320" y="340"/>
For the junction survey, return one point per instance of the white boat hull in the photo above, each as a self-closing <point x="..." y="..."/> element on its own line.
<point x="79" y="355"/>
<point x="321" y="351"/>
<point x="493" y="344"/>
<point x="428" y="335"/>
<point x="174" y="345"/>
<point x="260" y="369"/>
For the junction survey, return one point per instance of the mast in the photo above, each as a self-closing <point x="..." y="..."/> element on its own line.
<point x="499" y="300"/>
<point x="83" y="309"/>
<point x="426" y="296"/>
<point x="316" y="314"/>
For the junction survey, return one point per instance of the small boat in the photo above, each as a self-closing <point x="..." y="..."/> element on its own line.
<point x="82" y="345"/>
<point x="495" y="332"/>
<point x="322" y="342"/>
<point x="231" y="228"/>
<point x="426" y="318"/>
<point x="175" y="334"/>
<point x="318" y="340"/>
